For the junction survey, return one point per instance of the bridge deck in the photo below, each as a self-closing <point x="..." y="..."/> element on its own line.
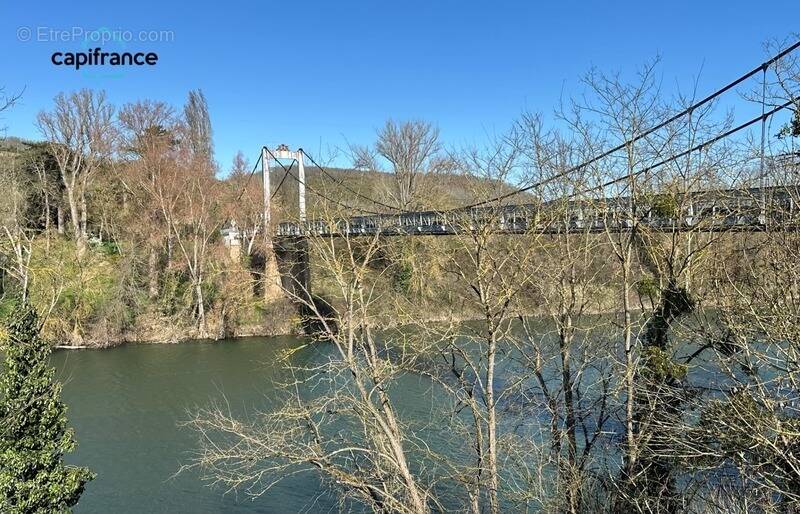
<point x="753" y="209"/>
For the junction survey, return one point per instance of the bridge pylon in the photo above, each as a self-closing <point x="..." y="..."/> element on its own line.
<point x="287" y="265"/>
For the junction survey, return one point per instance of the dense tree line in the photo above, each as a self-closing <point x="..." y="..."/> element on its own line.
<point x="111" y="224"/>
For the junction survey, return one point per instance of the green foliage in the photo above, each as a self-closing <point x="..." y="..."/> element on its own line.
<point x="664" y="206"/>
<point x="7" y="305"/>
<point x="402" y="275"/>
<point x="211" y="293"/>
<point x="647" y="287"/>
<point x="107" y="248"/>
<point x="791" y="129"/>
<point x="176" y="295"/>
<point x="659" y="367"/>
<point x="33" y="434"/>
<point x="745" y="431"/>
<point x="741" y="407"/>
<point x="86" y="287"/>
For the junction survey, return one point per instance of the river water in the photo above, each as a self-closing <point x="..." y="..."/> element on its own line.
<point x="127" y="406"/>
<point x="127" y="403"/>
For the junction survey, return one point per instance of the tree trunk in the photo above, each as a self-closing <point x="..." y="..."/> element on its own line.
<point x="47" y="222"/>
<point x="201" y="310"/>
<point x="84" y="216"/>
<point x="565" y="344"/>
<point x="60" y="220"/>
<point x="629" y="369"/>
<point x="152" y="273"/>
<point x="386" y="422"/>
<point x="169" y="250"/>
<point x="491" y="415"/>
<point x="46" y="213"/>
<point x="75" y="219"/>
<point x="395" y="442"/>
<point x="474" y="489"/>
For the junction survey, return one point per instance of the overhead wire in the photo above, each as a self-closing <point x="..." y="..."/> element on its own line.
<point x="348" y="188"/>
<point x="318" y="193"/>
<point x="763" y="66"/>
<point x="686" y="152"/>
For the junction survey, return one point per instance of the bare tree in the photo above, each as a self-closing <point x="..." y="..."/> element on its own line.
<point x="198" y="125"/>
<point x="149" y="138"/>
<point x="624" y="112"/>
<point x="190" y="203"/>
<point x="364" y="158"/>
<point x="571" y="363"/>
<point x="348" y="430"/>
<point x="80" y="133"/>
<point x="17" y="236"/>
<point x="7" y="101"/>
<point x="410" y="148"/>
<point x="493" y="270"/>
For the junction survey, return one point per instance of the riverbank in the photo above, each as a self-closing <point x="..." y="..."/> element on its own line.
<point x="290" y="325"/>
<point x="281" y="319"/>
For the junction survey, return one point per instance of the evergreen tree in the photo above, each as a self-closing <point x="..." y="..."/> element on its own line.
<point x="33" y="426"/>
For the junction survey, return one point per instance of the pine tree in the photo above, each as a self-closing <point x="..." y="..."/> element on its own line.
<point x="33" y="426"/>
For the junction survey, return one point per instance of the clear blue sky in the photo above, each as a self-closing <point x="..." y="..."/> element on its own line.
<point x="323" y="73"/>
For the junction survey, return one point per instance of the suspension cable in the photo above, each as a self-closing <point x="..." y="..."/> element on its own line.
<point x="322" y="195"/>
<point x="698" y="147"/>
<point x="285" y="174"/>
<point x="763" y="66"/>
<point x="348" y="188"/>
<point x="247" y="182"/>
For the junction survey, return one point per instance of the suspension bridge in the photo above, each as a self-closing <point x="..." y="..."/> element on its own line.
<point x="752" y="208"/>
<point x="592" y="209"/>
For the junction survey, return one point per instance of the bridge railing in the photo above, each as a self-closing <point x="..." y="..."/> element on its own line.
<point x="754" y="208"/>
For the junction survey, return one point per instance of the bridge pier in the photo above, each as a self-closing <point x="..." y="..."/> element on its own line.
<point x="293" y="265"/>
<point x="295" y="271"/>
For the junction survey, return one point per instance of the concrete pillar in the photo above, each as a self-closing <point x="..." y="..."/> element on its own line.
<point x="293" y="263"/>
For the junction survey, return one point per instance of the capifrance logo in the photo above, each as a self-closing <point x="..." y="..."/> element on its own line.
<point x="97" y="57"/>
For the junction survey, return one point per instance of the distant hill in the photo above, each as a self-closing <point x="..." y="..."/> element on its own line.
<point x="356" y="187"/>
<point x="14" y="145"/>
<point x="352" y="187"/>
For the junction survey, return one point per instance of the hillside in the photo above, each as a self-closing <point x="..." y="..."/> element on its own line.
<point x="356" y="188"/>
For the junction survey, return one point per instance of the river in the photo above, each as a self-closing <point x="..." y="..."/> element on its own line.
<point x="127" y="403"/>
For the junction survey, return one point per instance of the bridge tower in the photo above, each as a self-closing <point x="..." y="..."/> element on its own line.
<point x="289" y="255"/>
<point x="283" y="152"/>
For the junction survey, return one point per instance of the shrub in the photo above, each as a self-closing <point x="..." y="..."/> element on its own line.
<point x="34" y="436"/>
